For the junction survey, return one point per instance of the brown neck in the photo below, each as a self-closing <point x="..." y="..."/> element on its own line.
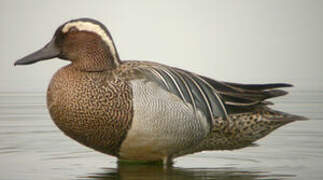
<point x="92" y="55"/>
<point x="98" y="59"/>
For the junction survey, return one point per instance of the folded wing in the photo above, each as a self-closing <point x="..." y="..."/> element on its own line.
<point x="213" y="98"/>
<point x="191" y="88"/>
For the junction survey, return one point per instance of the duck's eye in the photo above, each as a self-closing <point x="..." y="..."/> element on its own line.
<point x="73" y="29"/>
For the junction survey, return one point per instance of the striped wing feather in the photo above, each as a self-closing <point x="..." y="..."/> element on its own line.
<point x="191" y="88"/>
<point x="213" y="98"/>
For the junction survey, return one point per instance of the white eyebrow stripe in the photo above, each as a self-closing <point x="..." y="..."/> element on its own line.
<point x="95" y="28"/>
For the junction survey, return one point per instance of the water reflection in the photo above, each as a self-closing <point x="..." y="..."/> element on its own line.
<point x="158" y="172"/>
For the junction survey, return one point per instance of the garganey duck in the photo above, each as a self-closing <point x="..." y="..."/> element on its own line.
<point x="145" y="111"/>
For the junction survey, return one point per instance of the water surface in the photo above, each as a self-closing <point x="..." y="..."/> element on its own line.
<point x="31" y="147"/>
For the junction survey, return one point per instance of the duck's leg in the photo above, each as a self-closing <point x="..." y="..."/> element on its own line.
<point x="167" y="161"/>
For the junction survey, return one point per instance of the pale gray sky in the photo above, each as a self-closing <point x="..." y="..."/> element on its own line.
<point x="249" y="41"/>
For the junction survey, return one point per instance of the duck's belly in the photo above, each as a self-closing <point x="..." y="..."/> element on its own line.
<point x="162" y="124"/>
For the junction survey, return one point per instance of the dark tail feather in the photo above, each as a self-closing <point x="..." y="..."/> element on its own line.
<point x="259" y="87"/>
<point x="274" y="93"/>
<point x="242" y="95"/>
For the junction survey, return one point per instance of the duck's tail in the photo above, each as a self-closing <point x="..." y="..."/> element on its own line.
<point x="258" y="123"/>
<point x="283" y="116"/>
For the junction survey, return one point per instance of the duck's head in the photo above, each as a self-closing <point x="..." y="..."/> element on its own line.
<point x="85" y="42"/>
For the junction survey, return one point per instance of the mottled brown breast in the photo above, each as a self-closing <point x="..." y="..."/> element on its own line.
<point x="93" y="108"/>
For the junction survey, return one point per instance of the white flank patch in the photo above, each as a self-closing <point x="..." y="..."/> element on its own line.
<point x="95" y="28"/>
<point x="162" y="124"/>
